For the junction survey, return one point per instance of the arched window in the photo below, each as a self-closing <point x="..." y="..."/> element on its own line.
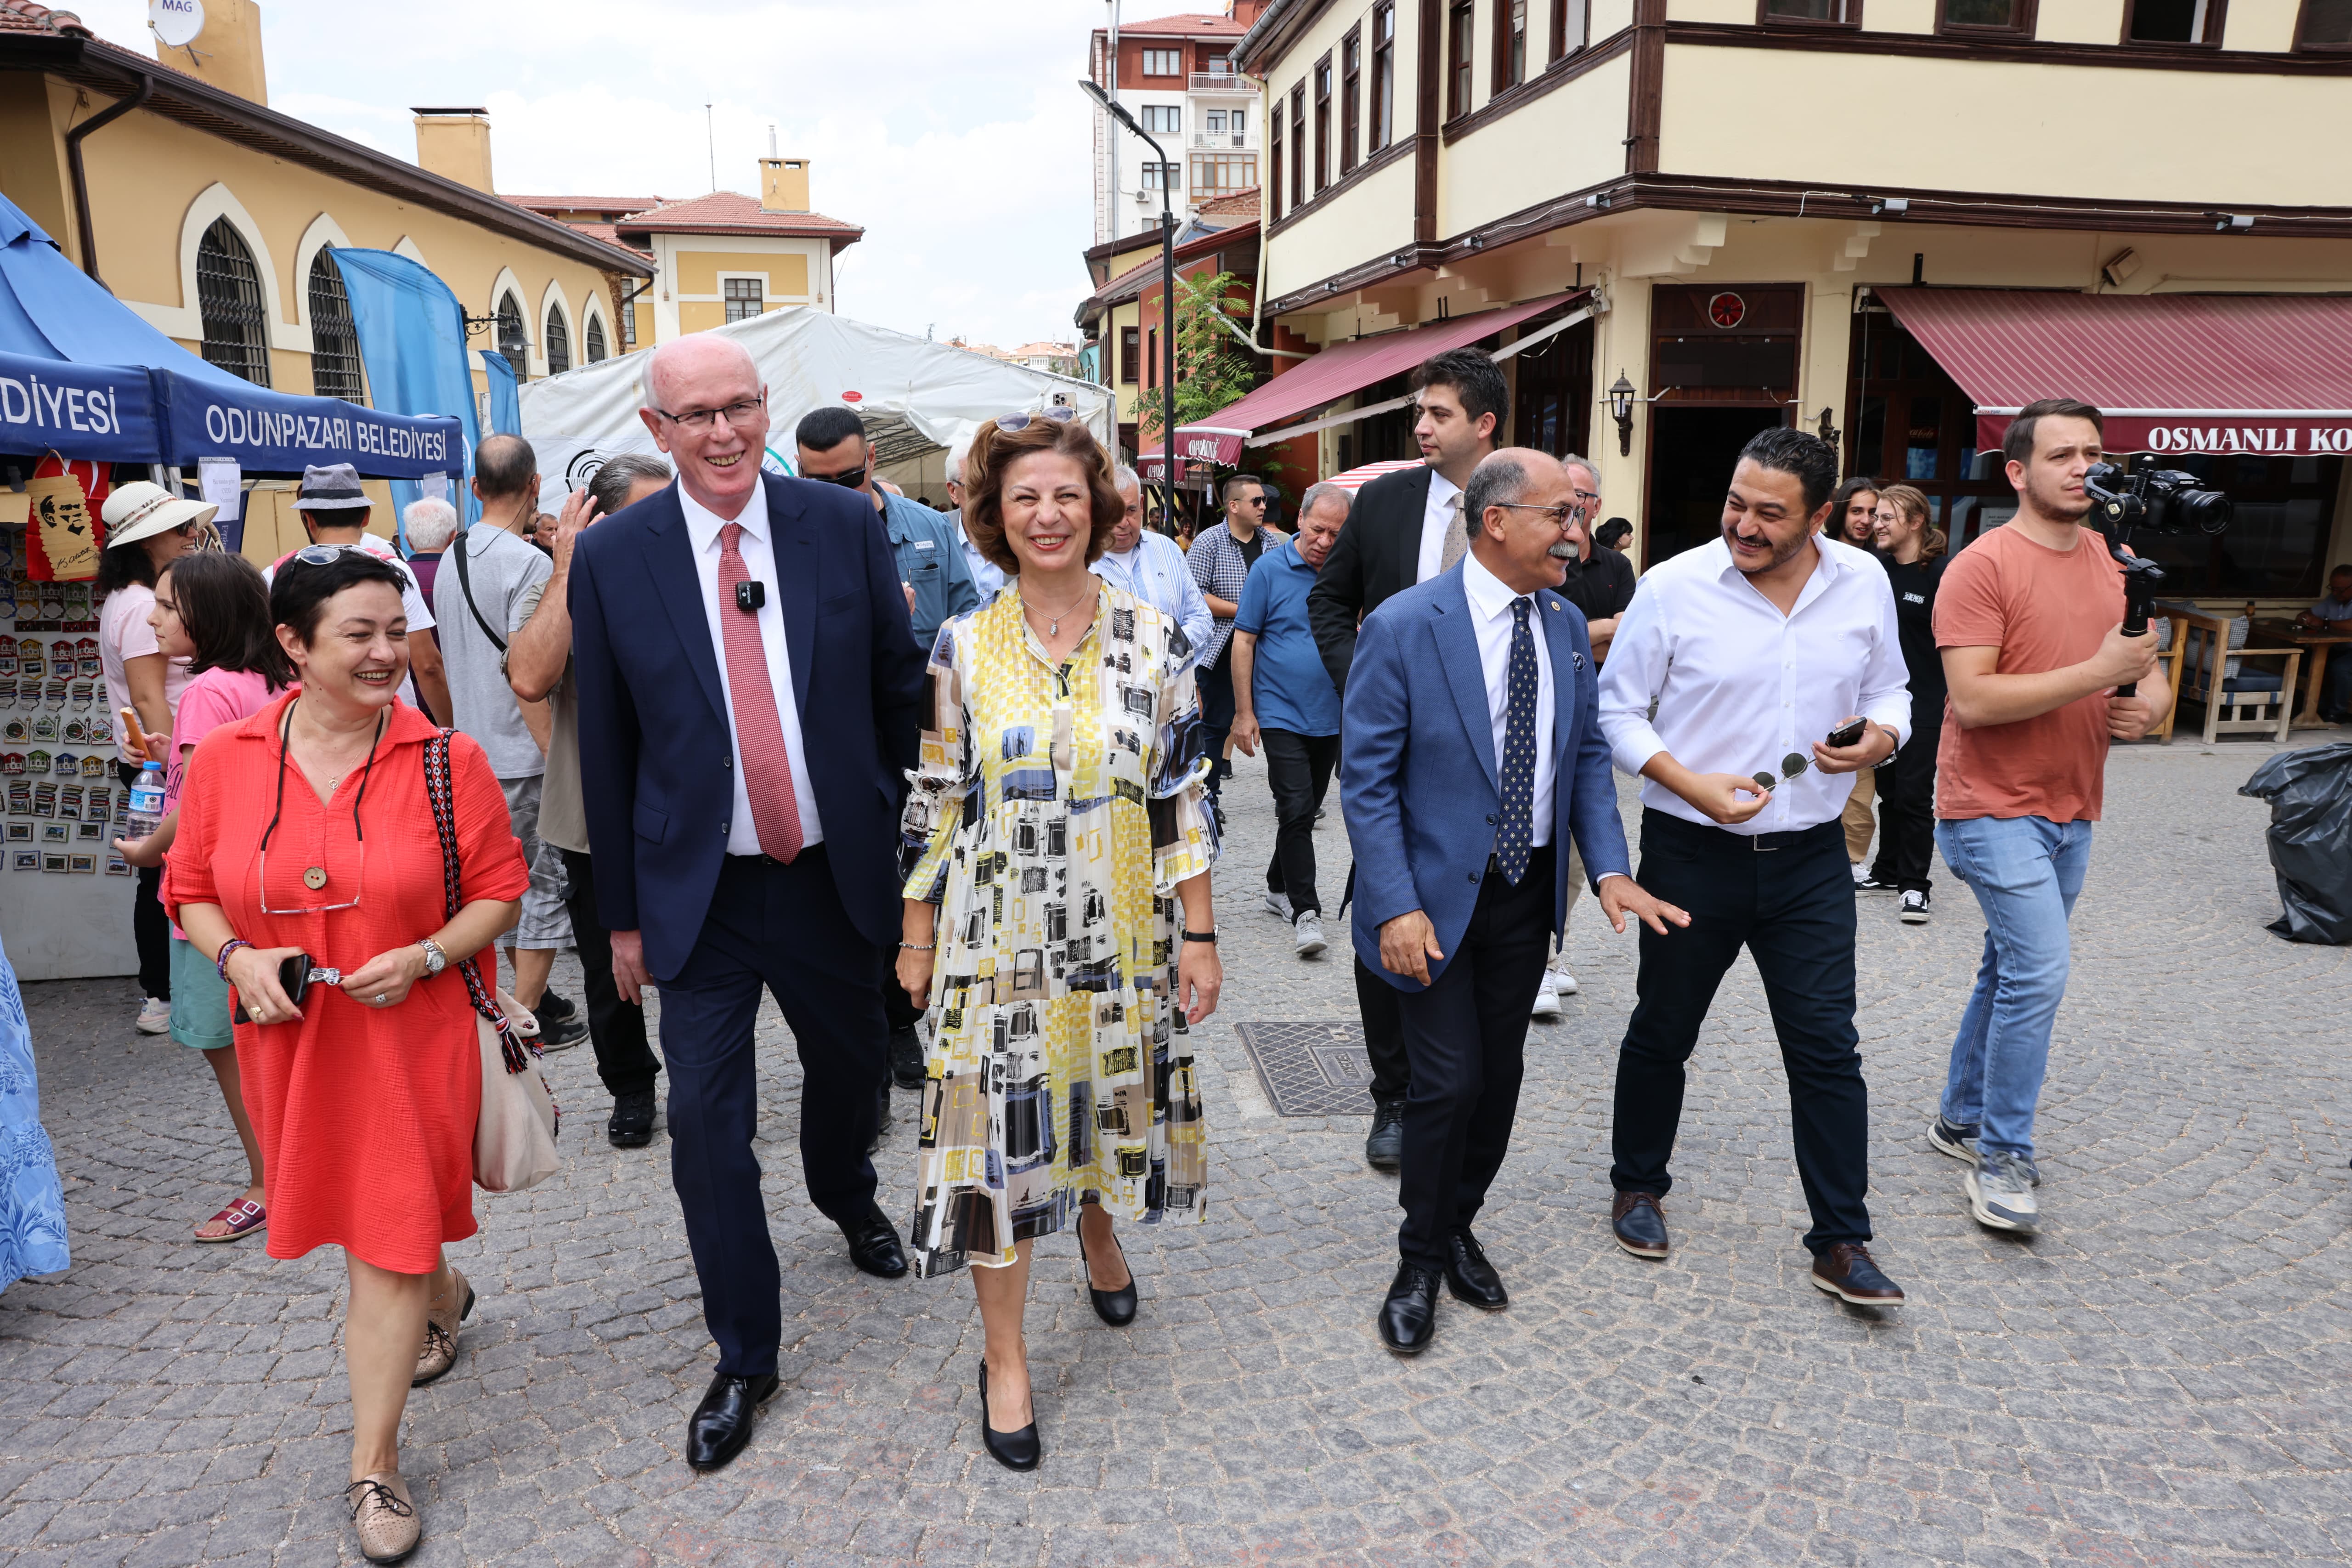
<point x="335" y="343"/>
<point x="559" y="343"/>
<point x="595" y="340"/>
<point x="513" y="342"/>
<point x="234" y="311"/>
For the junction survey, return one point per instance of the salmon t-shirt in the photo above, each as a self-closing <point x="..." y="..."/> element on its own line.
<point x="2044" y="609"/>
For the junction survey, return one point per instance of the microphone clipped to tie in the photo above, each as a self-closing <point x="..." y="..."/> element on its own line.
<point x="749" y="596"/>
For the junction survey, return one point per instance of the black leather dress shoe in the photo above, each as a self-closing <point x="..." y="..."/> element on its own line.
<point x="907" y="1058"/>
<point x="632" y="1126"/>
<point x="874" y="1244"/>
<point x="1470" y="1276"/>
<point x="721" y="1424"/>
<point x="1115" y="1307"/>
<point x="1409" y="1316"/>
<point x="1638" y="1225"/>
<point x="1384" y="1146"/>
<point x="1014" y="1450"/>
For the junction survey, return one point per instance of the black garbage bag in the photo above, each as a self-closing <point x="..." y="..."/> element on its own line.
<point x="2310" y="794"/>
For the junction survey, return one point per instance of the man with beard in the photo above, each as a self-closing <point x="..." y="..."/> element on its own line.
<point x="1752" y="651"/>
<point x="2029" y="620"/>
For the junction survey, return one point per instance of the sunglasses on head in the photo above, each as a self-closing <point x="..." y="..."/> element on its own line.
<point x="1060" y="413"/>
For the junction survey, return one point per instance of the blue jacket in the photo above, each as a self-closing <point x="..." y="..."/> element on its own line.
<point x="929" y="552"/>
<point x="656" y="758"/>
<point x="1418" y="782"/>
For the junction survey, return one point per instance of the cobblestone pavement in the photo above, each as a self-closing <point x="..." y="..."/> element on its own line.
<point x="2162" y="1378"/>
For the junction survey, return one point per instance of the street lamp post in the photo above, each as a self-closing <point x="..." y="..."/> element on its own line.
<point x="1167" y="286"/>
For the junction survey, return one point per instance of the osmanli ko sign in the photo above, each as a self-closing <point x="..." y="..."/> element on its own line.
<point x="2249" y="432"/>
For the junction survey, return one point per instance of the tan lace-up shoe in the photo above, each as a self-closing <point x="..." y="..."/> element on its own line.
<point x="442" y="1316"/>
<point x="383" y="1516"/>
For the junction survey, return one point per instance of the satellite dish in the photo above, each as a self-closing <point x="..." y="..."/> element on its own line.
<point x="176" y="22"/>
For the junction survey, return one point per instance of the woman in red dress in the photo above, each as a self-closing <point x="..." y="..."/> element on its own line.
<point x="305" y="829"/>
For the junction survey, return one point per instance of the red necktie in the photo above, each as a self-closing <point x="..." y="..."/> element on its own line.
<point x="759" y="731"/>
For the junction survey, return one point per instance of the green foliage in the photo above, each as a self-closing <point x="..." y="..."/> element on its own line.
<point x="1213" y="369"/>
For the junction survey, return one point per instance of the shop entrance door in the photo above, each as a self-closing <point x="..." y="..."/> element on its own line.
<point x="1692" y="454"/>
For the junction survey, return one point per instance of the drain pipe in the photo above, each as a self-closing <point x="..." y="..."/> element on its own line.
<point x="83" y="227"/>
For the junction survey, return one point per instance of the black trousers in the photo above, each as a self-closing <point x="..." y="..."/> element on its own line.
<point x="782" y="927"/>
<point x="1300" y="769"/>
<point x="151" y="929"/>
<point x="1789" y="898"/>
<point x="1906" y="810"/>
<point x="1464" y="1037"/>
<point x="1215" y="683"/>
<point x="624" y="1059"/>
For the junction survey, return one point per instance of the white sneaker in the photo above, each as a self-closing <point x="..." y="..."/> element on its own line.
<point x="1563" y="982"/>
<point x="1278" y="905"/>
<point x="1861" y="875"/>
<point x="1915" y="906"/>
<point x="1309" y="929"/>
<point x="2000" y="1193"/>
<point x="1547" y="998"/>
<point x="154" y="1016"/>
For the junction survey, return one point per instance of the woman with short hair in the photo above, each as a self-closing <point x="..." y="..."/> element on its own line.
<point x="212" y="612"/>
<point x="1911" y="548"/>
<point x="1854" y="520"/>
<point x="306" y="839"/>
<point x="1059" y="824"/>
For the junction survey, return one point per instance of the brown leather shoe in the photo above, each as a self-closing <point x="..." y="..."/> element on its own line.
<point x="1846" y="1272"/>
<point x="442" y="1316"/>
<point x="1639" y="1223"/>
<point x="383" y="1516"/>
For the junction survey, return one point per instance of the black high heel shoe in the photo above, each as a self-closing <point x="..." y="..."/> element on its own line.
<point x="1014" y="1450"/>
<point x="1115" y="1307"/>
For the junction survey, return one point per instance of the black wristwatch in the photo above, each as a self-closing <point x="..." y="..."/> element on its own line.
<point x="1208" y="936"/>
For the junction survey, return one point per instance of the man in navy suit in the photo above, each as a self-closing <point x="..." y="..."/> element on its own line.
<point x="1472" y="757"/>
<point x="749" y="687"/>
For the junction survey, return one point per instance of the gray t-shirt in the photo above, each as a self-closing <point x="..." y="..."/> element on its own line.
<point x="562" y="810"/>
<point x="501" y="567"/>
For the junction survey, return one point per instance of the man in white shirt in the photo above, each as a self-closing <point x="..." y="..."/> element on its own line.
<point x="1755" y="648"/>
<point x="986" y="575"/>
<point x="1151" y="567"/>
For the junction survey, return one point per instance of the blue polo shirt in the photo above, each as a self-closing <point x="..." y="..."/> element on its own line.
<point x="930" y="556"/>
<point x="1289" y="685"/>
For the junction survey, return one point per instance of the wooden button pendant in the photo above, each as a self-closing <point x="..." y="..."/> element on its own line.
<point x="315" y="878"/>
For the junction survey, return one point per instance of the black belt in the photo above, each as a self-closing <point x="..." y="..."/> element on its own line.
<point x="1723" y="838"/>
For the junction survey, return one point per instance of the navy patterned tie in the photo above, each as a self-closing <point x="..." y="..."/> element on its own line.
<point x="1513" y="840"/>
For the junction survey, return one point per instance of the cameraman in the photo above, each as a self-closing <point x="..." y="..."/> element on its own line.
<point x="2030" y="623"/>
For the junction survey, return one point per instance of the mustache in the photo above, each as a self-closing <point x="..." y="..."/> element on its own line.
<point x="1564" y="551"/>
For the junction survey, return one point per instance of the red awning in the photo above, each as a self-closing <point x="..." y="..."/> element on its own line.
<point x="2171" y="372"/>
<point x="1339" y="370"/>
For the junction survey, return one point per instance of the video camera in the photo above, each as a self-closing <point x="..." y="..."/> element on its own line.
<point x="2162" y="501"/>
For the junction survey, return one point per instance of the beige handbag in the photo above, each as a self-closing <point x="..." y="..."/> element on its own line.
<point x="514" y="1133"/>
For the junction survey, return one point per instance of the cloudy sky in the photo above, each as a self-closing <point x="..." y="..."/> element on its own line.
<point x="951" y="129"/>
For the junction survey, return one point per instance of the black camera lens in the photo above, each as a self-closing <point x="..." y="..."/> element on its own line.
<point x="2208" y="512"/>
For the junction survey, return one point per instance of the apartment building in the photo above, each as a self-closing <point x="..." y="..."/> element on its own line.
<point x="1890" y="221"/>
<point x="1175" y="75"/>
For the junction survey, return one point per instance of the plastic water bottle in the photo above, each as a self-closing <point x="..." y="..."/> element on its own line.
<point x="146" y="803"/>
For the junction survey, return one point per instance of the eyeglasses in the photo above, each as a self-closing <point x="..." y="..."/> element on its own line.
<point x="1588" y="497"/>
<point x="1253" y="500"/>
<point x="848" y="478"/>
<point x="1794" y="764"/>
<point x="699" y="420"/>
<point x="1558" y="516"/>
<point x="323" y="554"/>
<point x="1059" y="413"/>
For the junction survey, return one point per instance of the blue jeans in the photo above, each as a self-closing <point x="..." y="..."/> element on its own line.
<point x="2025" y="872"/>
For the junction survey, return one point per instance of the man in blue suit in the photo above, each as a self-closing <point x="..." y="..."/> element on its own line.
<point x="749" y="686"/>
<point x="1471" y="756"/>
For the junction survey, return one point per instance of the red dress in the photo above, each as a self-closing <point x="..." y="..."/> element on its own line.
<point x="365" y="1115"/>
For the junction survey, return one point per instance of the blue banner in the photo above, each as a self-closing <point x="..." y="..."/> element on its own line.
<point x="103" y="413"/>
<point x="273" y="433"/>
<point x="506" y="401"/>
<point x="412" y="334"/>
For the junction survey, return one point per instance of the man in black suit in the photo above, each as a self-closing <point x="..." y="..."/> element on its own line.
<point x="1405" y="528"/>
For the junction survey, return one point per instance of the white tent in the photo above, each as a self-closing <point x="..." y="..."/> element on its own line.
<point x="916" y="397"/>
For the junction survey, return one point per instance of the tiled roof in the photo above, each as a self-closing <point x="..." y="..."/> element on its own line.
<point x="1184" y="23"/>
<point x="731" y="212"/>
<point x="24" y="16"/>
<point x="616" y="206"/>
<point x="1241" y="204"/>
<point x="1031" y="351"/>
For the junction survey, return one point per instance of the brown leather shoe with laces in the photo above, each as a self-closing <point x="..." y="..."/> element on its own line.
<point x="384" y="1515"/>
<point x="1846" y="1272"/>
<point x="1639" y="1223"/>
<point x="442" y="1316"/>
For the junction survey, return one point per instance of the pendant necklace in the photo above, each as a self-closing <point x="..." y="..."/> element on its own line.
<point x="1053" y="621"/>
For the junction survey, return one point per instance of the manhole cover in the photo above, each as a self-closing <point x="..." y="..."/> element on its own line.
<point x="1311" y="1069"/>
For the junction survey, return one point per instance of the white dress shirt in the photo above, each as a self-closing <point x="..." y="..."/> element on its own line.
<point x="1433" y="519"/>
<point x="1156" y="572"/>
<point x="986" y="575"/>
<point x="1492" y="621"/>
<point x="702" y="526"/>
<point x="1739" y="686"/>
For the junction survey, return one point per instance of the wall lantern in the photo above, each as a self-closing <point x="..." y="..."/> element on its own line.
<point x="1621" y="409"/>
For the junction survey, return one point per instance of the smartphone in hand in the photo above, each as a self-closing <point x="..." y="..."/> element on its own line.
<point x="1847" y="734"/>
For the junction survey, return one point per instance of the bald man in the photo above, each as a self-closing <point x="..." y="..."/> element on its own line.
<point x="749" y="684"/>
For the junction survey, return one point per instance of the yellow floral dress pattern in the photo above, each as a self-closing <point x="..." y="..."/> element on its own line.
<point x="1056" y="809"/>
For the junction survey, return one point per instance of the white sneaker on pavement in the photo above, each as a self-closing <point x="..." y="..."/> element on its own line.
<point x="1547" y="999"/>
<point x="1861" y="874"/>
<point x="1309" y="931"/>
<point x="154" y="1016"/>
<point x="1277" y="905"/>
<point x="2000" y="1193"/>
<point x="1563" y="982"/>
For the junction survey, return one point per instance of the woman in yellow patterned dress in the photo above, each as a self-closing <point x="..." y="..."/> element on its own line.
<point x="1062" y="830"/>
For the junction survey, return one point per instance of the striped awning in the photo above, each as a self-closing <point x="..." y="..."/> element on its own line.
<point x="2257" y="373"/>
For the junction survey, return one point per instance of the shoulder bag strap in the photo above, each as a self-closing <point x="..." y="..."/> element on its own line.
<point x="445" y="826"/>
<point x="465" y="586"/>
